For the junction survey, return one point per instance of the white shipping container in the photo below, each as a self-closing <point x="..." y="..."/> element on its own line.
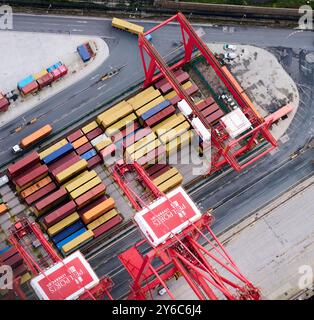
<point x="184" y="108"/>
<point x="201" y="129"/>
<point x="98" y="139"/>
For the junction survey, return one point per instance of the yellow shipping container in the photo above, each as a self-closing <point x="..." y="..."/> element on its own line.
<point x="138" y="103"/>
<point x="175" y="132"/>
<point x="85" y="187"/>
<point x="170" y="184"/>
<point x="53" y="148"/>
<point x="172" y="93"/>
<point x="143" y="151"/>
<point x="141" y="94"/>
<point x="179" y="142"/>
<point x="142" y="142"/>
<point x="115" y="113"/>
<point x="89" y="127"/>
<point x="101" y="220"/>
<point x="165" y="176"/>
<point x="81" y="239"/>
<point x="168" y="124"/>
<point x="80" y="180"/>
<point x="149" y="105"/>
<point x="59" y="226"/>
<point x="71" y="171"/>
<point x="103" y="144"/>
<point x="40" y="74"/>
<point x="120" y="124"/>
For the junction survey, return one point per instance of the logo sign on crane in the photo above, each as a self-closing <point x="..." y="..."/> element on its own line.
<point x="65" y="280"/>
<point x="167" y="216"/>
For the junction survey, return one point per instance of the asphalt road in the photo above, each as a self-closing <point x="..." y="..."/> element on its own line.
<point x="263" y="181"/>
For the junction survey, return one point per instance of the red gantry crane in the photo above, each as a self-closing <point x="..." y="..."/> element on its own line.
<point x="26" y="235"/>
<point x="179" y="239"/>
<point x="225" y="150"/>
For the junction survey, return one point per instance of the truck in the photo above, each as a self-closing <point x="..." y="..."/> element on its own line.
<point x="32" y="138"/>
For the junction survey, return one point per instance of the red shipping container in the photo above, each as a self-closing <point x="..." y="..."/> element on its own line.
<point x="94" y="133"/>
<point x="65" y="165"/>
<point x="92" y="162"/>
<point x="63" y="70"/>
<point x="30" y="88"/>
<point x="51" y="201"/>
<point x="30" y="177"/>
<point x="128" y="130"/>
<point x="4" y="104"/>
<point x="61" y="161"/>
<point x="92" y="205"/>
<point x="215" y="116"/>
<point x="26" y="171"/>
<point x="56" y="74"/>
<point x="155" y="168"/>
<point x="41" y="193"/>
<point x="20" y="270"/>
<point x="160" y="116"/>
<point x="108" y="151"/>
<point x="14" y="261"/>
<point x="75" y="135"/>
<point x="163" y="81"/>
<point x="152" y="155"/>
<point x="183" y="77"/>
<point x="59" y="214"/>
<point x="107" y="226"/>
<point x="211" y="109"/>
<point x="84" y="148"/>
<point x="45" y="80"/>
<point x="160" y="172"/>
<point x="22" y="164"/>
<point x="136" y="137"/>
<point x="6" y="255"/>
<point x="190" y="91"/>
<point x="204" y="104"/>
<point x="90" y="195"/>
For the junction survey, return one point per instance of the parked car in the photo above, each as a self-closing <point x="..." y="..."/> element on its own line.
<point x="230" y="55"/>
<point x="230" y="47"/>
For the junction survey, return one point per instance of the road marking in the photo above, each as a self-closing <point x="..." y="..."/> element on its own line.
<point x="94" y="77"/>
<point x="101" y="87"/>
<point x="77" y="30"/>
<point x="81" y="21"/>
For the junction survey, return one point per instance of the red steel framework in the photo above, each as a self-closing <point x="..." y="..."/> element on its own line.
<point x="22" y="236"/>
<point x="181" y="253"/>
<point x="226" y="151"/>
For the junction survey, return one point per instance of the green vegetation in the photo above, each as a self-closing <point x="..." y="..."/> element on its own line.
<point x="262" y="3"/>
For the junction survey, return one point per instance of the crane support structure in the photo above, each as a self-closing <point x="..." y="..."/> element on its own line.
<point x="226" y="151"/>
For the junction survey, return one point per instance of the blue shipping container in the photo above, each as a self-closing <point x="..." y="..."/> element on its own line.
<point x="58" y="153"/>
<point x="54" y="66"/>
<point x="84" y="54"/>
<point x="5" y="249"/>
<point x="89" y="154"/>
<point x="21" y="84"/>
<point x="70" y="238"/>
<point x="67" y="231"/>
<point x="155" y="110"/>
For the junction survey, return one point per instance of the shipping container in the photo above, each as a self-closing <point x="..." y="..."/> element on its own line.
<point x="190" y="91"/>
<point x="59" y="214"/>
<point x="165" y="176"/>
<point x="45" y="80"/>
<point x="85" y="187"/>
<point x="173" y="93"/>
<point x="155" y="156"/>
<point x="163" y="81"/>
<point x="136" y="137"/>
<point x="30" y="88"/>
<point x="28" y="179"/>
<point x="127" y="26"/>
<point x="102" y="219"/>
<point x="115" y="113"/>
<point x="160" y="116"/>
<point x="3" y="209"/>
<point x="50" y="201"/>
<point x="92" y="204"/>
<point x="23" y="164"/>
<point x="161" y="106"/>
<point x="171" y="183"/>
<point x="80" y="180"/>
<point x="99" y="139"/>
<point x="40" y="74"/>
<point x="160" y="172"/>
<point x="215" y="116"/>
<point x="107" y="226"/>
<point x="42" y="192"/>
<point x="181" y="141"/>
<point x="52" y="148"/>
<point x="79" y="142"/>
<point x="209" y="110"/>
<point x="74" y="169"/>
<point x="94" y="134"/>
<point x="65" y="165"/>
<point x="83" y="53"/>
<point x="77" y="242"/>
<point x="84" y="148"/>
<point x="63" y="69"/>
<point x="4" y="104"/>
<point x="58" y="153"/>
<point x="14" y="261"/>
<point x="54" y="66"/>
<point x="90" y="195"/>
<point x="108" y="152"/>
<point x="90" y="127"/>
<point x="64" y="223"/>
<point x="121" y="124"/>
<point x="103" y="144"/>
<point x="9" y="252"/>
<point x="21" y="84"/>
<point x="140" y="102"/>
<point x="155" y="168"/>
<point x="94" y="161"/>
<point x="168" y="124"/>
<point x="205" y="103"/>
<point x="129" y="130"/>
<point x="36" y="186"/>
<point x="71" y="237"/>
<point x="144" y="150"/>
<point x="75" y="135"/>
<point x="56" y="164"/>
<point x="141" y="95"/>
<point x="140" y="143"/>
<point x="183" y="77"/>
<point x="67" y="231"/>
<point x="35" y="136"/>
<point x="88" y="155"/>
<point x="175" y="132"/>
<point x="98" y="210"/>
<point x="56" y="73"/>
<point x="149" y="105"/>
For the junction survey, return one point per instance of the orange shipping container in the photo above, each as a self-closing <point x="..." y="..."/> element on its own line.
<point x="3" y="209"/>
<point x="99" y="210"/>
<point x="36" y="136"/>
<point x="79" y="142"/>
<point x="33" y="188"/>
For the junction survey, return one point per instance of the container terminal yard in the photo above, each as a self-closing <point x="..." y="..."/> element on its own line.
<point x="153" y="191"/>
